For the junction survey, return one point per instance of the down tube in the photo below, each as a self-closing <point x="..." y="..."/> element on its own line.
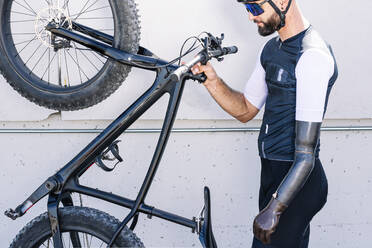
<point x="176" y="93"/>
<point x="116" y="128"/>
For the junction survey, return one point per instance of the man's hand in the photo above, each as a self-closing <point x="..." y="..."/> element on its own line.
<point x="208" y="71"/>
<point x="267" y="220"/>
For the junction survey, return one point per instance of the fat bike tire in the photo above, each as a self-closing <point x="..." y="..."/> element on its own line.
<point x="27" y="50"/>
<point x="94" y="228"/>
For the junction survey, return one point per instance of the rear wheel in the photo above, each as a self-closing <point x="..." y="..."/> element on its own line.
<point x="80" y="227"/>
<point x="57" y="73"/>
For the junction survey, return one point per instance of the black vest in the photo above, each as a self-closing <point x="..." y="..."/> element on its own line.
<point x="279" y="60"/>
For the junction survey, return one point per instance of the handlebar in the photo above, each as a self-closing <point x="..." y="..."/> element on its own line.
<point x="222" y="52"/>
<point x="230" y="50"/>
<point x="212" y="49"/>
<point x="217" y="54"/>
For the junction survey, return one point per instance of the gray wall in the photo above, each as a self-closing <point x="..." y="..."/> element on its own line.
<point x="227" y="162"/>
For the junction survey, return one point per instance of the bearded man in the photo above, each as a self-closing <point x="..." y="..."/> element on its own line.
<point x="293" y="77"/>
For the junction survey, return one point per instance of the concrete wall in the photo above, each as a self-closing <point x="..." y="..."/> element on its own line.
<point x="227" y="162"/>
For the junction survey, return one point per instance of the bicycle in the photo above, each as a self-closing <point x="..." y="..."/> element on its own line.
<point x="71" y="221"/>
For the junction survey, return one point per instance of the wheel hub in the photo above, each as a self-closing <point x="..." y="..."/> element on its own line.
<point x="60" y="18"/>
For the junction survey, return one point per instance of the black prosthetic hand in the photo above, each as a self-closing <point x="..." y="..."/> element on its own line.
<point x="307" y="136"/>
<point x="266" y="221"/>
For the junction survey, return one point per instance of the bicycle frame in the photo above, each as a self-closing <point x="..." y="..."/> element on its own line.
<point x="66" y="180"/>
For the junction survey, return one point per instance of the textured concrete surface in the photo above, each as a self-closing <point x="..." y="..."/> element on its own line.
<point x="227" y="162"/>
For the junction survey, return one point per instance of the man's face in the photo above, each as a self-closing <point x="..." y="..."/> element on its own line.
<point x="267" y="21"/>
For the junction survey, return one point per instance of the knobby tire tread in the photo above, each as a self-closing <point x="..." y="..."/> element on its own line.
<point x="82" y="218"/>
<point x="110" y="80"/>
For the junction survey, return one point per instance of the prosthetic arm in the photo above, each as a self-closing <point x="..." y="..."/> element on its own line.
<point x="307" y="136"/>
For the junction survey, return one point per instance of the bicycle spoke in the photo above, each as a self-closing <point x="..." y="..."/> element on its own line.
<point x="48" y="2"/>
<point x="91" y="238"/>
<point x="39" y="60"/>
<point x="16" y="44"/>
<point x="86" y="10"/>
<point x="81" y="200"/>
<point x="86" y="238"/>
<point x="68" y="8"/>
<point x="33" y="53"/>
<point x="94" y="18"/>
<point x="77" y="59"/>
<point x="25" y="46"/>
<point x="97" y="56"/>
<point x="65" y="4"/>
<point x="21" y="13"/>
<point x="48" y="67"/>
<point x="104" y="7"/>
<point x="80" y="70"/>
<point x="68" y="76"/>
<point x="59" y="68"/>
<point x="21" y="21"/>
<point x="20" y="33"/>
<point x="82" y="8"/>
<point x="63" y="241"/>
<point x="30" y="7"/>
<point x="47" y="244"/>
<point x="89" y="60"/>
<point x="89" y="241"/>
<point x="30" y="10"/>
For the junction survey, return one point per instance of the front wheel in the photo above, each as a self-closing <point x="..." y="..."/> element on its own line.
<point x="80" y="227"/>
<point x="58" y="73"/>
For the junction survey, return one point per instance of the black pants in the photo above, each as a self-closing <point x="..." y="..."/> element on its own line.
<point x="293" y="230"/>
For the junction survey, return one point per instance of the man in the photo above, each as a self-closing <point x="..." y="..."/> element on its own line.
<point x="293" y="78"/>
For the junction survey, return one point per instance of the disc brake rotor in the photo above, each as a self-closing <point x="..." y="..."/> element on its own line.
<point x="47" y="15"/>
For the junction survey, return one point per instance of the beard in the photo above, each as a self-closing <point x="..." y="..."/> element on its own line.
<point x="270" y="26"/>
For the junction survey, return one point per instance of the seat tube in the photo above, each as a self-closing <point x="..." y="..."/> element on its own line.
<point x="176" y="94"/>
<point x="176" y="90"/>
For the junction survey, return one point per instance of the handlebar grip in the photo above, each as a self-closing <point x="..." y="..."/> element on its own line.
<point x="230" y="50"/>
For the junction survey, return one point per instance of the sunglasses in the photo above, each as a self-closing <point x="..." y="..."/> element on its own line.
<point x="254" y="8"/>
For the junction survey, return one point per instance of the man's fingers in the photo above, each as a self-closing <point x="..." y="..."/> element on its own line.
<point x="204" y="68"/>
<point x="268" y="237"/>
<point x="257" y="230"/>
<point x="263" y="236"/>
<point x="197" y="68"/>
